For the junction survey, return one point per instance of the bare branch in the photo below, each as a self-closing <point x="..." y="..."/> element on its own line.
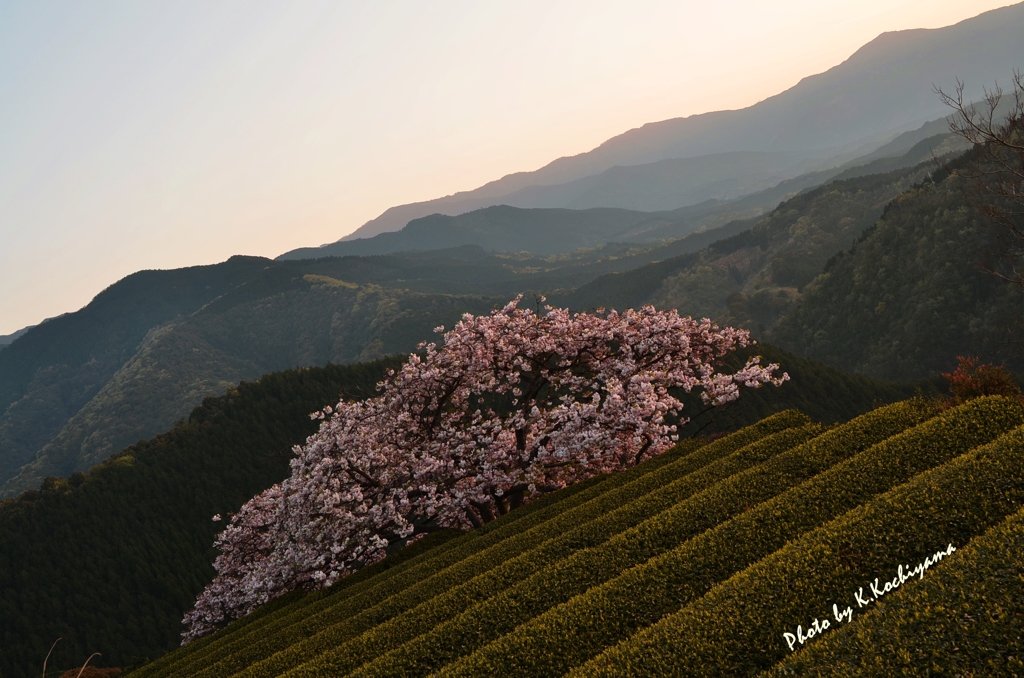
<point x="48" y="655"/>
<point x="995" y="177"/>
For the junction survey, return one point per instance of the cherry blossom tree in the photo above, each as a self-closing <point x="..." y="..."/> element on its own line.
<point x="512" y="405"/>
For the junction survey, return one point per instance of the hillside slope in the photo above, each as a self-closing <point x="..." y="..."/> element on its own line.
<point x="139" y="524"/>
<point x="690" y="559"/>
<point x="911" y="293"/>
<point x="882" y="89"/>
<point x="277" y="320"/>
<point x="951" y="500"/>
<point x="750" y="279"/>
<point x="109" y="561"/>
<point x="55" y="368"/>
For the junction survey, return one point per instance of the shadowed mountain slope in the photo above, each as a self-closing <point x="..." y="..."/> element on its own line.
<point x="752" y="277"/>
<point x="279" y="319"/>
<point x="912" y="292"/>
<point x="54" y="369"/>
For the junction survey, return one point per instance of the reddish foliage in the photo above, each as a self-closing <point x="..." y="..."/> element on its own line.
<point x="92" y="672"/>
<point x="970" y="380"/>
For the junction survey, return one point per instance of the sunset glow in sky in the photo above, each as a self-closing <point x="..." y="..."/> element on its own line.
<point x="139" y="135"/>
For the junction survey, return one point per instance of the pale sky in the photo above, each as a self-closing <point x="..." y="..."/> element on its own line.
<point x="139" y="135"/>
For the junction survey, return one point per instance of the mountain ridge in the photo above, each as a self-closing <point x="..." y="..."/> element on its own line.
<point x="547" y="231"/>
<point x="8" y="339"/>
<point x="856" y="112"/>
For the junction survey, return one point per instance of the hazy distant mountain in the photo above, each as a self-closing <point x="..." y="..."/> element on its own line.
<point x="751" y="277"/>
<point x="547" y="231"/>
<point x="885" y="88"/>
<point x="498" y="228"/>
<point x="673" y="183"/>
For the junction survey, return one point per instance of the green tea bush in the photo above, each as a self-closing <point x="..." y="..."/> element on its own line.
<point x="973" y="602"/>
<point x="564" y="579"/>
<point x="570" y="634"/>
<point x="288" y="604"/>
<point x="623" y="488"/>
<point x="305" y="621"/>
<point x="738" y="627"/>
<point x="627" y="512"/>
<point x="296" y="607"/>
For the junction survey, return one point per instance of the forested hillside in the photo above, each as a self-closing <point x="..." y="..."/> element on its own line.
<point x="275" y="321"/>
<point x="54" y="369"/>
<point x="912" y="292"/>
<point x="110" y="560"/>
<point x="750" y="279"/>
<point x="138" y="526"/>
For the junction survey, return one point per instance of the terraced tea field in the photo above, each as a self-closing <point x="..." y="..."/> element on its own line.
<point x="782" y="548"/>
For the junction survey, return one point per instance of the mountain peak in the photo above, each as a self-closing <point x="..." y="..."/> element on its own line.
<point x="881" y="90"/>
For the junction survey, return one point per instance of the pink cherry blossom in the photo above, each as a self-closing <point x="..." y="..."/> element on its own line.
<point x="511" y="405"/>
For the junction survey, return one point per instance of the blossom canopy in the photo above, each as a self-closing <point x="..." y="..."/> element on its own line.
<point x="511" y="405"/>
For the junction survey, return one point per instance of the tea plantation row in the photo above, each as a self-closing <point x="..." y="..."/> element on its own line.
<point x="695" y="563"/>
